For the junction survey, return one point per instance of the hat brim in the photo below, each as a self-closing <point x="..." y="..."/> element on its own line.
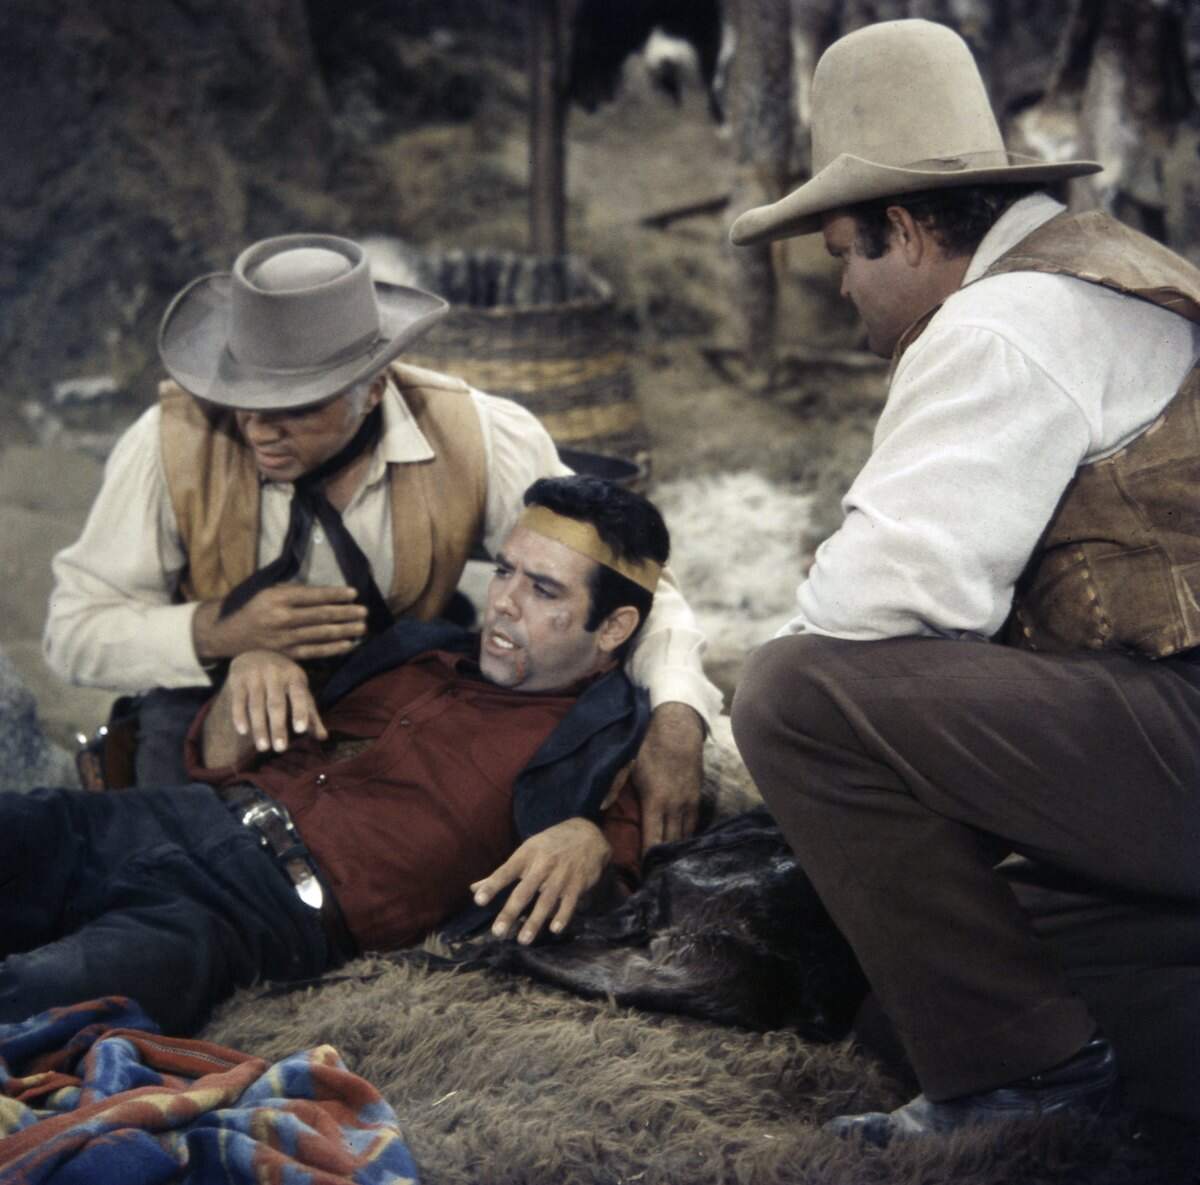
<point x="848" y="180"/>
<point x="193" y="343"/>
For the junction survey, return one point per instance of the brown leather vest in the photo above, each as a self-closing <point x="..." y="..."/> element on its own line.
<point x="1118" y="566"/>
<point x="437" y="505"/>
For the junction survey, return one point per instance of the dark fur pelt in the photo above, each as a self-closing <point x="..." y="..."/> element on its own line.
<point x="726" y="927"/>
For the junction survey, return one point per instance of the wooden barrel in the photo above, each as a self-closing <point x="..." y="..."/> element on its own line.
<point x="543" y="333"/>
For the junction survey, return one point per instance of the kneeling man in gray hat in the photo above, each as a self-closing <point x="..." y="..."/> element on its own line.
<point x="297" y="488"/>
<point x="989" y="697"/>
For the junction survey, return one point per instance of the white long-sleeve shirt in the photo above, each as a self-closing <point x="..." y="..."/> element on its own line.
<point x="1016" y="381"/>
<point x="114" y="621"/>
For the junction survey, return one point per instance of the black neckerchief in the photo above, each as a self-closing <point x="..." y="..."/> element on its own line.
<point x="309" y="503"/>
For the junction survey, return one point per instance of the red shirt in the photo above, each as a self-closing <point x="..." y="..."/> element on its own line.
<point x="404" y="826"/>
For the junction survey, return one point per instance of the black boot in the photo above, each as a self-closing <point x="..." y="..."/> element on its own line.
<point x="1086" y="1082"/>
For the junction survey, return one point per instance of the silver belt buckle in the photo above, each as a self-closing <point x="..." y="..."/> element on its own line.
<point x="308" y="888"/>
<point x="254" y="814"/>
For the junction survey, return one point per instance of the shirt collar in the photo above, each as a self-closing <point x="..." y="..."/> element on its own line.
<point x="402" y="441"/>
<point x="1022" y="218"/>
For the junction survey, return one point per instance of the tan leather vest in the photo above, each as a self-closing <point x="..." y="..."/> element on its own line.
<point x="1118" y="566"/>
<point x="437" y="505"/>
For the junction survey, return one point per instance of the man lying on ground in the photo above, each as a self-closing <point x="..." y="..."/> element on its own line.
<point x="430" y="768"/>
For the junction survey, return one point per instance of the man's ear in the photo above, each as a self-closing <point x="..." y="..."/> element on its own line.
<point x="910" y="238"/>
<point x="617" y="628"/>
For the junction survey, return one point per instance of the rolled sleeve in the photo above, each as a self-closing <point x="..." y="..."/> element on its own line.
<point x="668" y="655"/>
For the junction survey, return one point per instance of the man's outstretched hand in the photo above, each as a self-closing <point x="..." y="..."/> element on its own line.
<point x="265" y="701"/>
<point x="555" y="867"/>
<point x="668" y="773"/>
<point x="300" y="621"/>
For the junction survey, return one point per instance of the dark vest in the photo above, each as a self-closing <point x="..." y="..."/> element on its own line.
<point x="437" y="505"/>
<point x="1118" y="565"/>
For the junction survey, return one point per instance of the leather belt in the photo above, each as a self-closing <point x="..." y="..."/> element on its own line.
<point x="256" y="809"/>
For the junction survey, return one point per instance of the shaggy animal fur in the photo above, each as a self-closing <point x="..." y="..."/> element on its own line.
<point x="736" y="548"/>
<point x="500" y="1081"/>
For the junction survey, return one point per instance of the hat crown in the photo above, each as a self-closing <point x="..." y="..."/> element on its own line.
<point x="905" y="94"/>
<point x="301" y="301"/>
<point x="297" y="320"/>
<point x="298" y="268"/>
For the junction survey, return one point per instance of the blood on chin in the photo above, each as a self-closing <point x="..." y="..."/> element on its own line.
<point x="507" y="667"/>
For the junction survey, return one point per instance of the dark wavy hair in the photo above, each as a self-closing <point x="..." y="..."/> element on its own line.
<point x="958" y="217"/>
<point x="629" y="523"/>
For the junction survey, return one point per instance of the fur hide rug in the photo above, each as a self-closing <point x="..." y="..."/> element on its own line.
<point x="498" y="1081"/>
<point x="501" y="1080"/>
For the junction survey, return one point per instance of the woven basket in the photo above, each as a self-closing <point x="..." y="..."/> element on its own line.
<point x="541" y="332"/>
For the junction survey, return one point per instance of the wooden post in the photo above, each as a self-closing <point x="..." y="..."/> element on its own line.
<point x="760" y="109"/>
<point x="547" y="154"/>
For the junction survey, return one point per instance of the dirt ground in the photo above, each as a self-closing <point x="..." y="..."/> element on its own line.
<point x="466" y="184"/>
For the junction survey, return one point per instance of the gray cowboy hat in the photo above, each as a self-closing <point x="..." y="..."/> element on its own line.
<point x="297" y="320"/>
<point x="898" y="107"/>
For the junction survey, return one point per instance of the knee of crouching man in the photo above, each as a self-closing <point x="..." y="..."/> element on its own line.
<point x="788" y="697"/>
<point x="775" y="677"/>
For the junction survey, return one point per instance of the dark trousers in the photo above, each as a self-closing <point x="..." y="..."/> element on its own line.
<point x="1136" y="961"/>
<point x="156" y="894"/>
<point x="903" y="771"/>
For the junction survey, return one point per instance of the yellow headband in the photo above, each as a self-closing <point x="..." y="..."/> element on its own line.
<point x="585" y="539"/>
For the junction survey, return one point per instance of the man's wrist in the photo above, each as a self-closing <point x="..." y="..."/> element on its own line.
<point x="206" y="633"/>
<point x="685" y="690"/>
<point x="686" y="724"/>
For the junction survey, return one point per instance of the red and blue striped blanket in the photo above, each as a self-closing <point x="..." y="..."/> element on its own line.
<point x="92" y="1093"/>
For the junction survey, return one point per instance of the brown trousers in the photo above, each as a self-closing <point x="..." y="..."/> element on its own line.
<point x="904" y="771"/>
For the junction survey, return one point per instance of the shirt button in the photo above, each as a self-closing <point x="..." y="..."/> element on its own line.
<point x="318" y="536"/>
<point x="321" y="779"/>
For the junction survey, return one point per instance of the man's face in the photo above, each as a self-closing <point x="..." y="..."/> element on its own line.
<point x="537" y="603"/>
<point x="886" y="292"/>
<point x="289" y="444"/>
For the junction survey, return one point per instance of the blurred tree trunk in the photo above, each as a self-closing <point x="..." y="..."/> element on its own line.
<point x="547" y="127"/>
<point x="761" y="124"/>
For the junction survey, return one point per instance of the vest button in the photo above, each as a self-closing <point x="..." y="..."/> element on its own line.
<point x="321" y="779"/>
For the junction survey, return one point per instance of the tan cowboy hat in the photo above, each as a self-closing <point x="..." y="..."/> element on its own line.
<point x="898" y="107"/>
<point x="297" y="320"/>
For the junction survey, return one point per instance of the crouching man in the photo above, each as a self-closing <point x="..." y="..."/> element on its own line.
<point x="434" y="766"/>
